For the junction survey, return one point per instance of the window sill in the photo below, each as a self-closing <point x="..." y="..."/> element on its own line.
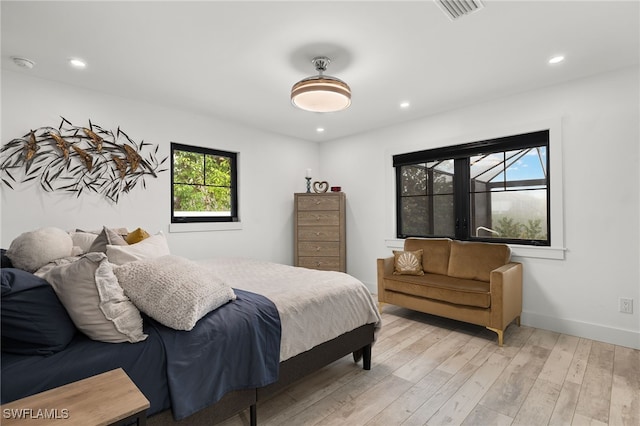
<point x="556" y="253"/>
<point x="204" y="226"/>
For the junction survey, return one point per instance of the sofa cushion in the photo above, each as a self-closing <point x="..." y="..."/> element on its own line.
<point x="442" y="288"/>
<point x="475" y="261"/>
<point x="407" y="262"/>
<point x="435" y="253"/>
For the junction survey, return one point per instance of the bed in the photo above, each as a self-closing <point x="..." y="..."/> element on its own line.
<point x="292" y="320"/>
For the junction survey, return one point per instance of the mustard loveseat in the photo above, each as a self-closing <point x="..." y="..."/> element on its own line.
<point x="473" y="282"/>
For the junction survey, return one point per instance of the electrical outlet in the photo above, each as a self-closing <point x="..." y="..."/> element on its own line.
<point x="626" y="305"/>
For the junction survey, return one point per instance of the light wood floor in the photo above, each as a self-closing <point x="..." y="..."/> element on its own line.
<point x="431" y="371"/>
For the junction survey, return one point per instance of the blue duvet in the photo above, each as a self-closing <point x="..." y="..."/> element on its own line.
<point x="234" y="347"/>
<point x="237" y="346"/>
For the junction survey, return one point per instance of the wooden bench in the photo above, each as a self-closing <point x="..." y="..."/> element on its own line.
<point x="105" y="399"/>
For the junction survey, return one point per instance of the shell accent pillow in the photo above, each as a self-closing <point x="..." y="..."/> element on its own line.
<point x="407" y="262"/>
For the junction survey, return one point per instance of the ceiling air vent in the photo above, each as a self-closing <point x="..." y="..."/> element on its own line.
<point x="455" y="9"/>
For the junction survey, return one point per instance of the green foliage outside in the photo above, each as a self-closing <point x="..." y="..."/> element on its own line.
<point x="201" y="183"/>
<point x="508" y="228"/>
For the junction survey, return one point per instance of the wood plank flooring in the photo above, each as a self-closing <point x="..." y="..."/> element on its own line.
<point x="428" y="370"/>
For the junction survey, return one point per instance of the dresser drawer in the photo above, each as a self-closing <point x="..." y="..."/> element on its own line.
<point x="325" y="202"/>
<point x="318" y="248"/>
<point x="323" y="263"/>
<point x="318" y="233"/>
<point x="308" y="218"/>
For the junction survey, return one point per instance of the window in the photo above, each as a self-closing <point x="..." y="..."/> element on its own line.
<point x="493" y="190"/>
<point x="203" y="185"/>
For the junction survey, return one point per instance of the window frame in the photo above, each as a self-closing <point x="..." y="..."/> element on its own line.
<point x="233" y="156"/>
<point x="461" y="154"/>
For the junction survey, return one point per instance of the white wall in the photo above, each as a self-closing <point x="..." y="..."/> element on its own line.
<point x="271" y="169"/>
<point x="599" y="121"/>
<point x="577" y="295"/>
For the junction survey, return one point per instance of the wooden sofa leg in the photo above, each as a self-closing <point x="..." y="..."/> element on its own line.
<point x="518" y="321"/>
<point x="380" y="306"/>
<point x="500" y="334"/>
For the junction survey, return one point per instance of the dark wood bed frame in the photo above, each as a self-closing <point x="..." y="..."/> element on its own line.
<point x="357" y="341"/>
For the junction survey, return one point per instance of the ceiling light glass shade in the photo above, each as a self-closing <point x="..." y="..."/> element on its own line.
<point x="321" y="93"/>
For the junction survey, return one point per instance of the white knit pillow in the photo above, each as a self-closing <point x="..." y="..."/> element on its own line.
<point x="32" y="250"/>
<point x="173" y="290"/>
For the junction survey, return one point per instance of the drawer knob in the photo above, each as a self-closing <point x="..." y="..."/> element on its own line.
<point x="317" y="217"/>
<point x="317" y="248"/>
<point x="318" y="263"/>
<point x="317" y="202"/>
<point x="317" y="234"/>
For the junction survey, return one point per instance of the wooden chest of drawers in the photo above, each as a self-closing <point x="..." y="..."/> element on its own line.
<point x="319" y="234"/>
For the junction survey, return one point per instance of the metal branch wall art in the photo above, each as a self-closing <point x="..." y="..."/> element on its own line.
<point x="79" y="159"/>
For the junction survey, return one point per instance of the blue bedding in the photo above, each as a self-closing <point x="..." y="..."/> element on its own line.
<point x="237" y="346"/>
<point x="144" y="362"/>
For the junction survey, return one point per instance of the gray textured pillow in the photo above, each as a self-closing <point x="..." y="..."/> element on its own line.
<point x="107" y="237"/>
<point x="173" y="290"/>
<point x="32" y="250"/>
<point x="94" y="300"/>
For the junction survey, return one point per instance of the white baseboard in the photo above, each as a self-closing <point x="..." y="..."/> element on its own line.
<point x="616" y="336"/>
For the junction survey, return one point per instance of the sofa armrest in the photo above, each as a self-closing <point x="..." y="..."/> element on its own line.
<point x="506" y="294"/>
<point x="385" y="268"/>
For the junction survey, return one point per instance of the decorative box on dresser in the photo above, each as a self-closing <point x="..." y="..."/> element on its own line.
<point x="319" y="231"/>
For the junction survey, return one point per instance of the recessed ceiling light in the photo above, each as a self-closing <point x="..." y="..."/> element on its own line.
<point x="556" y="59"/>
<point x="77" y="63"/>
<point x="404" y="104"/>
<point x="23" y="62"/>
<point x="320" y="129"/>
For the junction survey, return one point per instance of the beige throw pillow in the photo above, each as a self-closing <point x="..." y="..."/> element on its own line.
<point x="83" y="240"/>
<point x="94" y="300"/>
<point x="154" y="246"/>
<point x="407" y="262"/>
<point x="173" y="290"/>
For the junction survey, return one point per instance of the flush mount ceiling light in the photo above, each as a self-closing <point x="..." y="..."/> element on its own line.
<point x="321" y="93"/>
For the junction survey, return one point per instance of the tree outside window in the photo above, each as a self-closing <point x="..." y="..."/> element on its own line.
<point x="204" y="185"/>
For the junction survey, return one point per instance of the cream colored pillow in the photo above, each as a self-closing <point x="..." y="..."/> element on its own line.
<point x="83" y="240"/>
<point x="173" y="290"/>
<point x="32" y="250"/>
<point x="94" y="300"/>
<point x="407" y="262"/>
<point x="154" y="246"/>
